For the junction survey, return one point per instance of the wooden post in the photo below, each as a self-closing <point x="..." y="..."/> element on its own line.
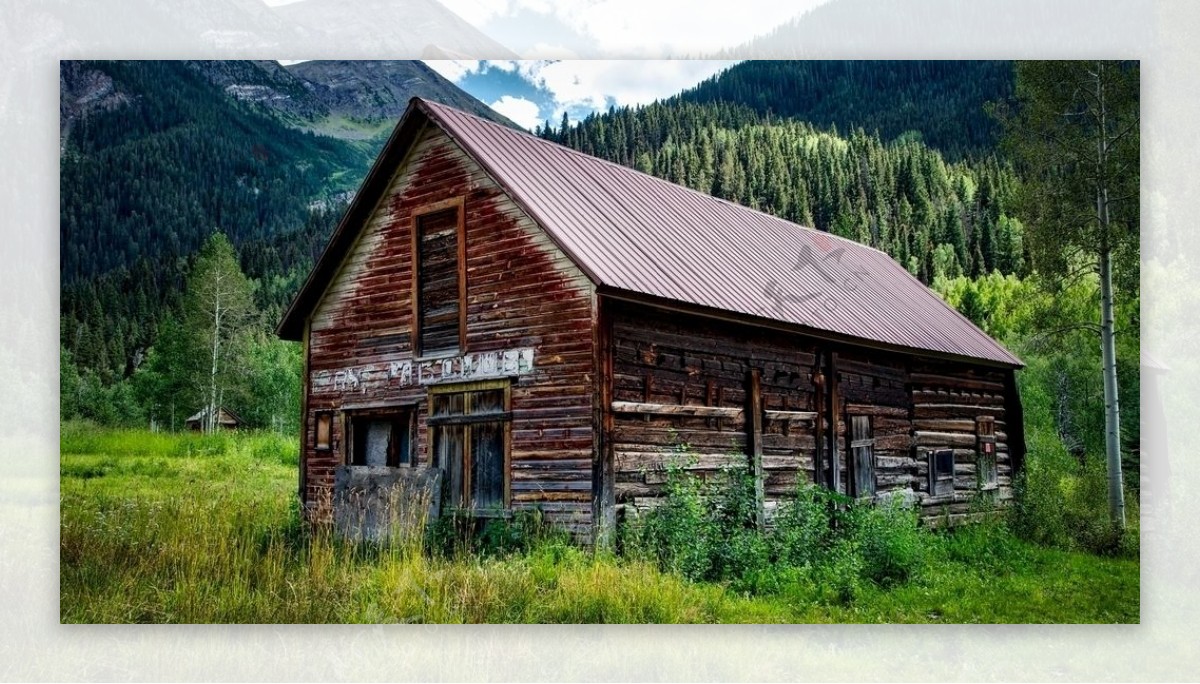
<point x="819" y="382"/>
<point x="604" y="509"/>
<point x="835" y="468"/>
<point x="754" y="435"/>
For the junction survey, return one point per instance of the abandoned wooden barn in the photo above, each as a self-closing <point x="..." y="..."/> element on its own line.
<point x="526" y="326"/>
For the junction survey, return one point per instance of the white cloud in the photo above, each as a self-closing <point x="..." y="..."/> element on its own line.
<point x="520" y="110"/>
<point x="593" y="84"/>
<point x="454" y="69"/>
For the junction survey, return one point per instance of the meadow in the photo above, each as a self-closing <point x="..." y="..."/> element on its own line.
<point x="189" y="528"/>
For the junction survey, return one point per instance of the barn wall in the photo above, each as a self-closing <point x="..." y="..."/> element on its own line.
<point x="522" y="293"/>
<point x="670" y="358"/>
<point x="947" y="399"/>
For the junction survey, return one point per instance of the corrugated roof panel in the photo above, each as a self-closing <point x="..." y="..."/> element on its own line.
<point x="631" y="231"/>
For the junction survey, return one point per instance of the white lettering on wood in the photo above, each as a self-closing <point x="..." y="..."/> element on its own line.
<point x="480" y="366"/>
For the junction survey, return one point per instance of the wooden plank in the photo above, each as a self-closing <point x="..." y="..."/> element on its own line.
<point x="675" y="409"/>
<point x="956" y="381"/>
<point x="928" y="438"/>
<point x="755" y="438"/>
<point x="944" y="424"/>
<point x="790" y="415"/>
<point x="875" y="410"/>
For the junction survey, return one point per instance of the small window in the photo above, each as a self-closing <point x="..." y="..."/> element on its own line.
<point x="381" y="438"/>
<point x="941" y="472"/>
<point x="862" y="455"/>
<point x="469" y="426"/>
<point x="439" y="289"/>
<point x="324" y="436"/>
<point x="985" y="435"/>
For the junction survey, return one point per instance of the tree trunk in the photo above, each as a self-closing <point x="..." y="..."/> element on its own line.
<point x="1112" y="416"/>
<point x="211" y="422"/>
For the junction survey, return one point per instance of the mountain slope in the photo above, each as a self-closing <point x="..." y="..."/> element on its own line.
<point x="347" y="99"/>
<point x="939" y="102"/>
<point x="375" y="90"/>
<point x="171" y="158"/>
<point x="156" y="155"/>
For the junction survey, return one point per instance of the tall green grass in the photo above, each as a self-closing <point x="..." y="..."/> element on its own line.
<point x="192" y="528"/>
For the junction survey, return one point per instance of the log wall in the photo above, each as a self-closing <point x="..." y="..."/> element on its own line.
<point x="680" y="395"/>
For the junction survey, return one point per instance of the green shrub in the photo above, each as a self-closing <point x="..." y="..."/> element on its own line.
<point x="1063" y="501"/>
<point x="889" y="539"/>
<point x="803" y="528"/>
<point x="678" y="533"/>
<point x="989" y="544"/>
<point x="707" y="531"/>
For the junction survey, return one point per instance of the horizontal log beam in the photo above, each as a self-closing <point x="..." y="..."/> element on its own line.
<point x="790" y="415"/>
<point x="924" y="438"/>
<point x="675" y="409"/>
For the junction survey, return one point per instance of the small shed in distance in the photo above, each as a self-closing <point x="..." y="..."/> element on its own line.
<point x="226" y="419"/>
<point x="531" y="327"/>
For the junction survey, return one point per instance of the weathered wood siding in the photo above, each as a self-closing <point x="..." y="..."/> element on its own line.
<point x="947" y="400"/>
<point x="522" y="292"/>
<point x="680" y="384"/>
<point x="676" y="360"/>
<point x="874" y="384"/>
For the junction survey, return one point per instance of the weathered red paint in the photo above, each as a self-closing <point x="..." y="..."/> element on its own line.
<point x="520" y="293"/>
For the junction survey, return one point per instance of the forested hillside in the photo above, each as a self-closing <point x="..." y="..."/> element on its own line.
<point x="939" y="102"/>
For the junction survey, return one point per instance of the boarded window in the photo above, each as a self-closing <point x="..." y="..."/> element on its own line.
<point x="439" y="283"/>
<point x="470" y="443"/>
<point x="941" y="472"/>
<point x="324" y="436"/>
<point x="862" y="455"/>
<point x="985" y="435"/>
<point x="381" y="438"/>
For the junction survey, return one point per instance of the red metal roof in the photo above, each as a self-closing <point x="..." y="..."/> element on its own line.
<point x="634" y="232"/>
<point x="637" y="234"/>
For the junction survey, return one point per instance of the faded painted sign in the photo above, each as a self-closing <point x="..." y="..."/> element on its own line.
<point x="482" y="366"/>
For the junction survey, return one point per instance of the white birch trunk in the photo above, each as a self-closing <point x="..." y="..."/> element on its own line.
<point x="1108" y="352"/>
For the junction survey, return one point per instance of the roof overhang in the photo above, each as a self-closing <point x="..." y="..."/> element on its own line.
<point x="790" y="328"/>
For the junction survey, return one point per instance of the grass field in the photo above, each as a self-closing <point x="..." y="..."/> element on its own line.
<point x="190" y="528"/>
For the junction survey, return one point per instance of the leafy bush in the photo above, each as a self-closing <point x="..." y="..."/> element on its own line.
<point x="678" y="534"/>
<point x="1063" y="501"/>
<point x="889" y="540"/>
<point x="707" y="531"/>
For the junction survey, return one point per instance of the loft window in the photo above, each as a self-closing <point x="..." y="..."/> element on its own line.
<point x="985" y="437"/>
<point x="941" y="472"/>
<point x="469" y="426"/>
<point x="381" y="438"/>
<point x="439" y="287"/>
<point x="862" y="455"/>
<point x="324" y="432"/>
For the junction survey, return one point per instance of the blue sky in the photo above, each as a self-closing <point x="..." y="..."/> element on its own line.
<point x="532" y="91"/>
